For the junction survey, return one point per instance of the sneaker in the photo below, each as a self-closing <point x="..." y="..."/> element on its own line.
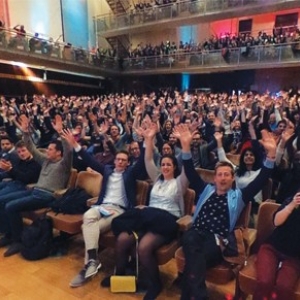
<point x="92" y="268"/>
<point x="13" y="249"/>
<point x="79" y="279"/>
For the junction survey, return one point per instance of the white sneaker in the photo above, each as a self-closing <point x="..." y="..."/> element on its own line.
<point x="92" y="268"/>
<point x="79" y="279"/>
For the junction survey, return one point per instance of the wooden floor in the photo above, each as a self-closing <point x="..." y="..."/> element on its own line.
<point x="48" y="279"/>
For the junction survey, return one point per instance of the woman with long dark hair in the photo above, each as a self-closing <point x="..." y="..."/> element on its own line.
<point x="165" y="207"/>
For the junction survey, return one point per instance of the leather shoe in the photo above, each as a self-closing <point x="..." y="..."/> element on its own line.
<point x="105" y="282"/>
<point x="14" y="248"/>
<point x="5" y="241"/>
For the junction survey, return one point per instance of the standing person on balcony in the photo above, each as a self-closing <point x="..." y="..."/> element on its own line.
<point x="55" y="172"/>
<point x="218" y="209"/>
<point x="20" y="30"/>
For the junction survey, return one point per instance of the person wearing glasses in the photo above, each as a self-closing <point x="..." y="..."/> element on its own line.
<point x="117" y="194"/>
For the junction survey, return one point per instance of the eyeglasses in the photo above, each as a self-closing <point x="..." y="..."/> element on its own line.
<point x="121" y="159"/>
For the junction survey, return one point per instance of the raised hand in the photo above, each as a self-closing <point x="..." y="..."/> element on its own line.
<point x="269" y="143"/>
<point x="92" y="117"/>
<point x="104" y="127"/>
<point x="151" y="131"/>
<point x="287" y="134"/>
<point x="217" y="122"/>
<point x="22" y="123"/>
<point x="68" y="136"/>
<point x="194" y="125"/>
<point x="185" y="136"/>
<point x="57" y="124"/>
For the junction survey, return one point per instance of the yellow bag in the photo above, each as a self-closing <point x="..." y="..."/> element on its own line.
<point x="126" y="283"/>
<point x="122" y="284"/>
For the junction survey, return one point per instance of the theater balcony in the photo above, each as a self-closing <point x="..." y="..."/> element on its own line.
<point x="67" y="59"/>
<point x="183" y="13"/>
<point x="52" y="56"/>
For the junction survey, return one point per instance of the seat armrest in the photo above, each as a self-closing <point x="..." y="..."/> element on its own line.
<point x="252" y="233"/>
<point x="59" y="193"/>
<point x="185" y="223"/>
<point x="270" y="201"/>
<point x="92" y="201"/>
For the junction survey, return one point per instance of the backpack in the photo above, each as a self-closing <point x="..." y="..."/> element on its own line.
<point x="37" y="239"/>
<point x="72" y="202"/>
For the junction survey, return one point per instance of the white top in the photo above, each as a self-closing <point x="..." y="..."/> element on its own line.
<point x="115" y="191"/>
<point x="167" y="194"/>
<point x="242" y="181"/>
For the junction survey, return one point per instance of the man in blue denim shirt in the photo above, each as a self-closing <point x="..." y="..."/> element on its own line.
<point x="217" y="211"/>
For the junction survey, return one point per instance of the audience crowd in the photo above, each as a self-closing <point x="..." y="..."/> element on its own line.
<point x="155" y="137"/>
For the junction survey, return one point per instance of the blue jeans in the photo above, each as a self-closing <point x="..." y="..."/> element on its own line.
<point x="8" y="189"/>
<point x="25" y="202"/>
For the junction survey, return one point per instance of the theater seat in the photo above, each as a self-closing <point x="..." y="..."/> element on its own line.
<point x="91" y="183"/>
<point x="247" y="276"/>
<point x="33" y="214"/>
<point x="224" y="272"/>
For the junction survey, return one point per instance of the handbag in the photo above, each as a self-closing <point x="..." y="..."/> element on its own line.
<point x="126" y="283"/>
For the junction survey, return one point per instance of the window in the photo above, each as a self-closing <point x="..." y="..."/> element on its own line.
<point x="288" y="20"/>
<point x="245" y="26"/>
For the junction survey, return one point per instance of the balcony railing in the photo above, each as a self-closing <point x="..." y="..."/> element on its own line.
<point x="180" y="9"/>
<point x="244" y="57"/>
<point x="177" y="62"/>
<point x="52" y="50"/>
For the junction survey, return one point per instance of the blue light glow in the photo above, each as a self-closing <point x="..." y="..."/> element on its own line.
<point x="185" y="82"/>
<point x="75" y="20"/>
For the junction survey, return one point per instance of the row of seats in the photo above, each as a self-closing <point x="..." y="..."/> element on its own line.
<point x="221" y="274"/>
<point x="91" y="183"/>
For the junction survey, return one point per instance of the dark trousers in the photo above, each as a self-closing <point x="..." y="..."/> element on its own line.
<point x="7" y="191"/>
<point x="24" y="201"/>
<point x="277" y="274"/>
<point x="201" y="252"/>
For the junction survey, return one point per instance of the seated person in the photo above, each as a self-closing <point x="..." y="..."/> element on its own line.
<point x="55" y="172"/>
<point x="278" y="259"/>
<point x="166" y="205"/>
<point x="218" y="209"/>
<point x="8" y="154"/>
<point x="117" y="195"/>
<point x="34" y="43"/>
<point x="26" y="171"/>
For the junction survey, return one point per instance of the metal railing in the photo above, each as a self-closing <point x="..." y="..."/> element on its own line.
<point x="179" y="61"/>
<point x="177" y="10"/>
<point x="52" y="50"/>
<point x="246" y="57"/>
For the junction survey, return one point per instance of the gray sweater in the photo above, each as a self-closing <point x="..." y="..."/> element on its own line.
<point x="54" y="175"/>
